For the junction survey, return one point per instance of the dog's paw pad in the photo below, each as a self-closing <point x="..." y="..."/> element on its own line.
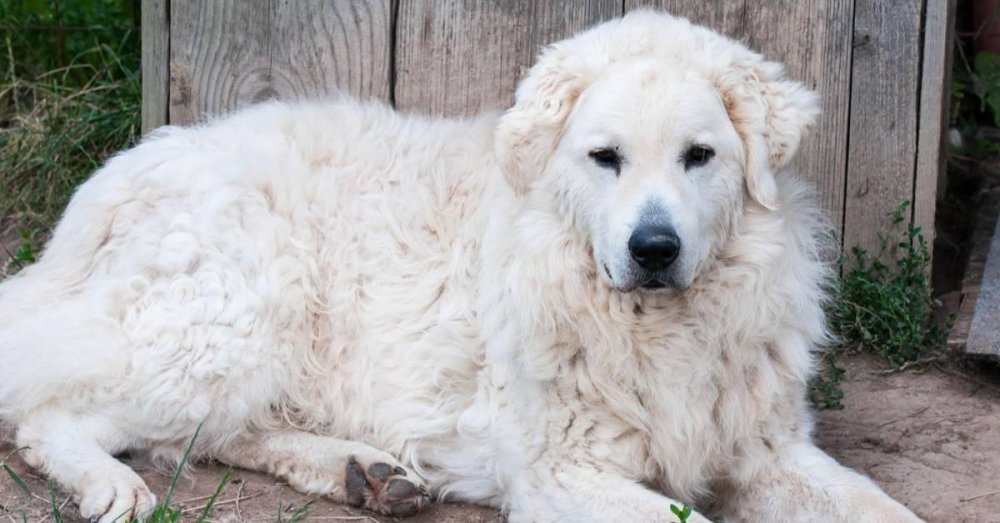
<point x="380" y="487"/>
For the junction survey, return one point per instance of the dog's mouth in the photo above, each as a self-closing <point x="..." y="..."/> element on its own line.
<point x="650" y="282"/>
<point x="653" y="284"/>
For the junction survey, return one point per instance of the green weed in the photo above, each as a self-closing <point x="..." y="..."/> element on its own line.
<point x="883" y="303"/>
<point x="682" y="513"/>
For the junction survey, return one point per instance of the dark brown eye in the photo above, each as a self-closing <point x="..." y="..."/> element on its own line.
<point x="607" y="158"/>
<point x="697" y="155"/>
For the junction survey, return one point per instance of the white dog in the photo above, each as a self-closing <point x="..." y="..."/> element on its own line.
<point x="594" y="306"/>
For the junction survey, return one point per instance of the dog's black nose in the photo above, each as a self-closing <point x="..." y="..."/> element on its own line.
<point x="654" y="247"/>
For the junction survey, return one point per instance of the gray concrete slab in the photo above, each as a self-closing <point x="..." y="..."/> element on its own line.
<point x="984" y="333"/>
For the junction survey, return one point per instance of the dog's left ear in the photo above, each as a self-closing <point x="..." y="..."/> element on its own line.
<point x="529" y="131"/>
<point x="771" y="114"/>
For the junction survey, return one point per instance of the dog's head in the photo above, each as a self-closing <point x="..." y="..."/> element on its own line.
<point x="653" y="133"/>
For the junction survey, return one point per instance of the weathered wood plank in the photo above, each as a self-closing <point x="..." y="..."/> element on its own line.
<point x="725" y="17"/>
<point x="812" y="38"/>
<point x="155" y="60"/>
<point x="458" y="57"/>
<point x="228" y="53"/>
<point x="935" y="91"/>
<point x="885" y="79"/>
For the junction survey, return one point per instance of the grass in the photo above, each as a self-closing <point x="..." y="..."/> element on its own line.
<point x="58" y="123"/>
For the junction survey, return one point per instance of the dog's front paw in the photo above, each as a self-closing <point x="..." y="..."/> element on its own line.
<point x="120" y="497"/>
<point x="384" y="488"/>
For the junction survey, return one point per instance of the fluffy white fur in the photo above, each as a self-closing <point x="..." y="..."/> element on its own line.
<point x="316" y="282"/>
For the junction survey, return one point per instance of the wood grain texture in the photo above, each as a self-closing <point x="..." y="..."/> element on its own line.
<point x="228" y="53"/>
<point x="155" y="59"/>
<point x="812" y="38"/>
<point x="885" y="82"/>
<point x="935" y="90"/>
<point x="459" y="57"/>
<point x="727" y="17"/>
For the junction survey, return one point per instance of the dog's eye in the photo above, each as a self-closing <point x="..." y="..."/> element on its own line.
<point x="697" y="155"/>
<point x="607" y="158"/>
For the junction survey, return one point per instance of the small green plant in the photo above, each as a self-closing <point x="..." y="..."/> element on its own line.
<point x="682" y="513"/>
<point x="883" y="303"/>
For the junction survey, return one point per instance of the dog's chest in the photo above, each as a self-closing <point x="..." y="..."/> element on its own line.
<point x="665" y="397"/>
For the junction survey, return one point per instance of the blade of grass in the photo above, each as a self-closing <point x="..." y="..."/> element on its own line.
<point x="17" y="479"/>
<point x="301" y="512"/>
<point x="180" y="467"/>
<point x="215" y="495"/>
<point x="13" y="475"/>
<point x="56" y="515"/>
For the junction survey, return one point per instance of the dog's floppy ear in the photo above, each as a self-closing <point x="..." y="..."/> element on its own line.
<point x="529" y="131"/>
<point x="771" y="114"/>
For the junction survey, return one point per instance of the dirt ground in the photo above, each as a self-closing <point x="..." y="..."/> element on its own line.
<point x="930" y="439"/>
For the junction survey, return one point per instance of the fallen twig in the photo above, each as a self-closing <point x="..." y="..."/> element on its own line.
<point x="239" y="493"/>
<point x="924" y="361"/>
<point x="192" y="500"/>
<point x="917" y="413"/>
<point x="226" y="502"/>
<point x="345" y="518"/>
<point x="963" y="500"/>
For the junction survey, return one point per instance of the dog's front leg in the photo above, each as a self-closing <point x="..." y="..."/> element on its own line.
<point x="549" y="491"/>
<point x="802" y="483"/>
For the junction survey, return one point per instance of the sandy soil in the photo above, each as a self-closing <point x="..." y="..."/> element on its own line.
<point x="930" y="439"/>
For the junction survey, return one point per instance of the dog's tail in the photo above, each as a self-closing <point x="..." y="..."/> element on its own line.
<point x="53" y="335"/>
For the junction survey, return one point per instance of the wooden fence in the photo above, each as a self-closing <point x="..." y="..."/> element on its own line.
<point x="880" y="65"/>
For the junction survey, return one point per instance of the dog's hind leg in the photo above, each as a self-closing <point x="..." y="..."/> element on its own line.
<point x="344" y="471"/>
<point x="76" y="450"/>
